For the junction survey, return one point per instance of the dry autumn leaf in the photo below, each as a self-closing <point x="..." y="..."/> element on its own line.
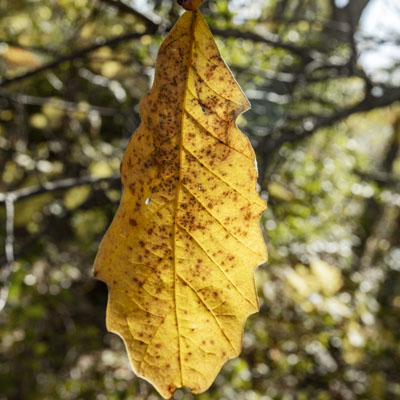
<point x="179" y="257"/>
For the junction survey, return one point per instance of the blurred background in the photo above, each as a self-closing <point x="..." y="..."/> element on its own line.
<point x="323" y="77"/>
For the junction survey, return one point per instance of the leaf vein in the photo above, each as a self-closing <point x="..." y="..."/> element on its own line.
<point x="216" y="137"/>
<point x="219" y="177"/>
<point x="210" y="311"/>
<point x="215" y="262"/>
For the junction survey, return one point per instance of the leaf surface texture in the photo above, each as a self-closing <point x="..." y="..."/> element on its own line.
<point x="180" y="254"/>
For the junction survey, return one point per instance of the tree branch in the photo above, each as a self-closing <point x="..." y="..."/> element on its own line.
<point x="61" y="184"/>
<point x="272" y="40"/>
<point x="9" y="200"/>
<point x="75" y="55"/>
<point x="152" y="21"/>
<point x="9" y="249"/>
<point x="269" y="145"/>
<point x="381" y="178"/>
<point x="22" y="98"/>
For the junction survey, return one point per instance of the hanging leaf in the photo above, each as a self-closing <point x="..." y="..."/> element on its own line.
<point x="180" y="254"/>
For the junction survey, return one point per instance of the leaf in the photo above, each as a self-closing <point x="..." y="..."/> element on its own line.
<point x="329" y="277"/>
<point x="279" y="192"/>
<point x="76" y="196"/>
<point x="19" y="57"/>
<point x="321" y="277"/>
<point x="179" y="257"/>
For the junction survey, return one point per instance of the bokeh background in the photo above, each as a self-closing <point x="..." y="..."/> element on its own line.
<point x="323" y="77"/>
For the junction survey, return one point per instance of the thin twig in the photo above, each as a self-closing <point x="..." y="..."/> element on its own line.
<point x="152" y="21"/>
<point x="76" y="55"/>
<point x="269" y="145"/>
<point x="9" y="200"/>
<point x="381" y="178"/>
<point x="272" y="40"/>
<point x="61" y="184"/>
<point x="9" y="249"/>
<point x="56" y="103"/>
<point x="270" y="74"/>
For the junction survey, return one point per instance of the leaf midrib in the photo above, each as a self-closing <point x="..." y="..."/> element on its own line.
<point x="178" y="190"/>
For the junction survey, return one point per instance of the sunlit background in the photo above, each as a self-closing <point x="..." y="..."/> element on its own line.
<point x="323" y="78"/>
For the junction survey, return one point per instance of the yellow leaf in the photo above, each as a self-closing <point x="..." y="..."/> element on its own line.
<point x="279" y="192"/>
<point x="100" y="169"/>
<point x="299" y="279"/>
<point x="111" y="68"/>
<point x="38" y="121"/>
<point x="179" y="257"/>
<point x="74" y="197"/>
<point x="320" y="278"/>
<point x="328" y="276"/>
<point x="18" y="57"/>
<point x="53" y="113"/>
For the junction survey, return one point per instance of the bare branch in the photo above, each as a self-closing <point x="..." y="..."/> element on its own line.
<point x="9" y="249"/>
<point x="76" y="55"/>
<point x="9" y="200"/>
<point x="269" y="145"/>
<point x="306" y="54"/>
<point x="381" y="178"/>
<point x="152" y="21"/>
<point x="272" y="40"/>
<point x="61" y="184"/>
<point x="56" y="103"/>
